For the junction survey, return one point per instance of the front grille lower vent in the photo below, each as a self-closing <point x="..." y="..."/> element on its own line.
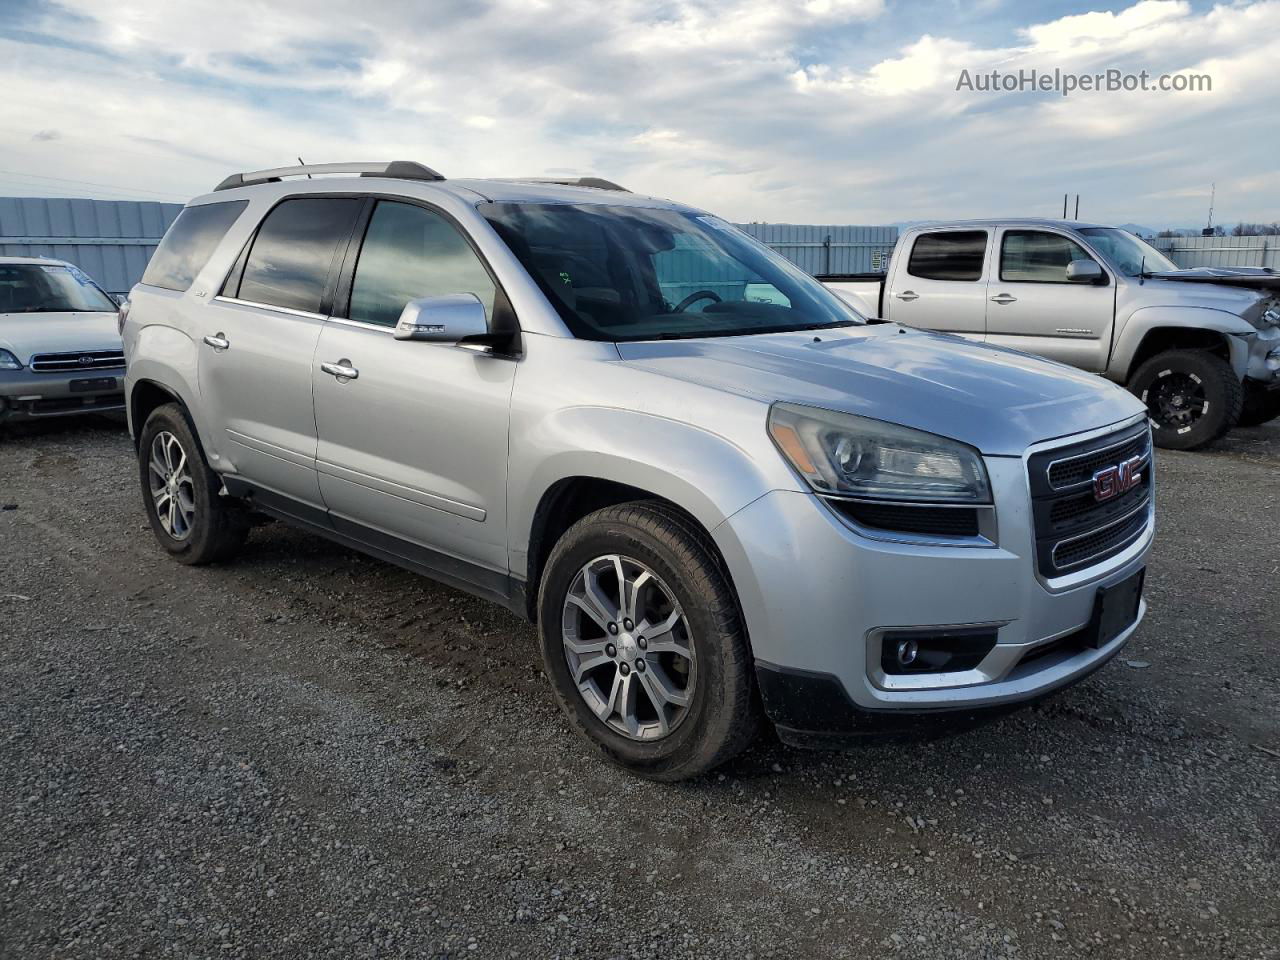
<point x="919" y="519"/>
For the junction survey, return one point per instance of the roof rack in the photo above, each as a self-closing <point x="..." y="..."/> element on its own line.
<point x="595" y="182"/>
<point x="399" y="169"/>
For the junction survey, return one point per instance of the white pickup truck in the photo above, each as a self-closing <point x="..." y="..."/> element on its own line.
<point x="1200" y="347"/>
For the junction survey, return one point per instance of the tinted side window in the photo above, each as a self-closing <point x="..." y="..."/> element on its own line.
<point x="1032" y="256"/>
<point x="955" y="255"/>
<point x="410" y="252"/>
<point x="290" y="260"/>
<point x="189" y="243"/>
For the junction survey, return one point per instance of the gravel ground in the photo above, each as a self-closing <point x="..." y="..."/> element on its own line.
<point x="311" y="753"/>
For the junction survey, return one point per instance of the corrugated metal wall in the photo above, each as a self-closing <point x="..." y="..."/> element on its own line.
<point x="1221" y="251"/>
<point x="110" y="240"/>
<point x="823" y="249"/>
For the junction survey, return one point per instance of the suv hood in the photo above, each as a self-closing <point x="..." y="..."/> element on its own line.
<point x="24" y="334"/>
<point x="997" y="400"/>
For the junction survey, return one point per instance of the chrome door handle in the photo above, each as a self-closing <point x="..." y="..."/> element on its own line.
<point x="343" y="370"/>
<point x="907" y="295"/>
<point x="218" y="341"/>
<point x="1003" y="298"/>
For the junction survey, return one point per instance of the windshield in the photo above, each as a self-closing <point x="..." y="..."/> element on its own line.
<point x="50" y="288"/>
<point x="634" y="273"/>
<point x="1126" y="252"/>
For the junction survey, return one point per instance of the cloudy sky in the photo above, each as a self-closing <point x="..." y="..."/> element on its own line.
<point x="832" y="111"/>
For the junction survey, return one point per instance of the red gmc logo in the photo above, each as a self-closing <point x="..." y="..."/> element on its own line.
<point x="1113" y="481"/>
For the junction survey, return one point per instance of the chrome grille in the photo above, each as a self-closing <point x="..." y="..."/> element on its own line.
<point x="1073" y="528"/>
<point x="72" y="362"/>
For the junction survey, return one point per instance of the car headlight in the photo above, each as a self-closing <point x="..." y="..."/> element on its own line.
<point x="844" y="454"/>
<point x="8" y="361"/>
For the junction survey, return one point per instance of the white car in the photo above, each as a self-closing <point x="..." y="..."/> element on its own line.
<point x="60" y="351"/>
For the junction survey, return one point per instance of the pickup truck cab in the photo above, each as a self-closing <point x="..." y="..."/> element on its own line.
<point x="720" y="493"/>
<point x="1201" y="348"/>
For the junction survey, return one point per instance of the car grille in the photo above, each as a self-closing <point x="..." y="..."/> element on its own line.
<point x="72" y="362"/>
<point x="1073" y="528"/>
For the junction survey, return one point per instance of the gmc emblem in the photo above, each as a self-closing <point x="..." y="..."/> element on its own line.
<point x="1110" y="482"/>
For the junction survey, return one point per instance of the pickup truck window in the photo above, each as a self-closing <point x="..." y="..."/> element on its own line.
<point x="1125" y="252"/>
<point x="410" y="252"/>
<point x="1036" y="256"/>
<point x="949" y="255"/>
<point x="620" y="273"/>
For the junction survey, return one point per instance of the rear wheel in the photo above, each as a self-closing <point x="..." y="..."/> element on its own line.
<point x="1193" y="397"/>
<point x="180" y="492"/>
<point x="644" y="645"/>
<point x="1260" y="406"/>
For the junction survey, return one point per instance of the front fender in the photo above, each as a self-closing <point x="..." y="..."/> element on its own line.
<point x="1142" y="321"/>
<point x="703" y="473"/>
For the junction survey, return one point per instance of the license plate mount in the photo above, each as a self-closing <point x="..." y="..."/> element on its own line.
<point x="1115" y="608"/>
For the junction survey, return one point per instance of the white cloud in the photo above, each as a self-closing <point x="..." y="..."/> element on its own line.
<point x="755" y="108"/>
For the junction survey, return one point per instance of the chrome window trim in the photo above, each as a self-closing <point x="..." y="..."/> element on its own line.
<point x="288" y="311"/>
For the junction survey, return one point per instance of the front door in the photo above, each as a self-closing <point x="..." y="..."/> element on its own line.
<point x="258" y="342"/>
<point x="414" y="447"/>
<point x="1036" y="309"/>
<point x="941" y="283"/>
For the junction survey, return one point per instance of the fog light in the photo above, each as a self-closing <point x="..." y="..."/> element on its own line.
<point x="908" y="650"/>
<point x="939" y="650"/>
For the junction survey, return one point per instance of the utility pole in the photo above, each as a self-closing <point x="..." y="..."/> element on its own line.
<point x="1077" y="206"/>
<point x="1213" y="195"/>
<point x="1064" y="205"/>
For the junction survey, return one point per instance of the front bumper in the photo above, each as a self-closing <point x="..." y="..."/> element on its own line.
<point x="27" y="394"/>
<point x="817" y="597"/>
<point x="1263" y="364"/>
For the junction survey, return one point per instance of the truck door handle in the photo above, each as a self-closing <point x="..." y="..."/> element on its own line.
<point x="342" y="370"/>
<point x="1003" y="298"/>
<point x="907" y="295"/>
<point x="218" y="341"/>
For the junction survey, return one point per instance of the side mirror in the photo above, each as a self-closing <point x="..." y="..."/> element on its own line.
<point x="453" y="319"/>
<point x="1085" y="271"/>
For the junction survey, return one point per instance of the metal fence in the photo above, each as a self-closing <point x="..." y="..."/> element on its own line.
<point x="828" y="249"/>
<point x="110" y="240"/>
<point x="1221" y="251"/>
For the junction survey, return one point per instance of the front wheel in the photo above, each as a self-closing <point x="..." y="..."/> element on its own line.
<point x="1193" y="397"/>
<point x="643" y="642"/>
<point x="180" y="492"/>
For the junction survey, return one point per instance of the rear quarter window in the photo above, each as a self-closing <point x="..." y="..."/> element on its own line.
<point x="189" y="243"/>
<point x="952" y="255"/>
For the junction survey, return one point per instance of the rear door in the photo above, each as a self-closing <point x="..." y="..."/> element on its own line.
<point x="1034" y="308"/>
<point x="415" y="446"/>
<point x="259" y="339"/>
<point x="940" y="282"/>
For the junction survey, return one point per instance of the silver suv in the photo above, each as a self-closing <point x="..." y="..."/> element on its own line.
<point x="721" y="493"/>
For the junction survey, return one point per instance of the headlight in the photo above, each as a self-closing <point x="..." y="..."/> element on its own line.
<point x="839" y="453"/>
<point x="8" y="361"/>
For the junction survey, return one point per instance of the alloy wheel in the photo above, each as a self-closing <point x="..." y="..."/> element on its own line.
<point x="628" y="647"/>
<point x="1176" y="400"/>
<point x="171" y="485"/>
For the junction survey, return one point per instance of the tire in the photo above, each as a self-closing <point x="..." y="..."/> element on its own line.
<point x="1260" y="406"/>
<point x="687" y="586"/>
<point x="1193" y="397"/>
<point x="216" y="526"/>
